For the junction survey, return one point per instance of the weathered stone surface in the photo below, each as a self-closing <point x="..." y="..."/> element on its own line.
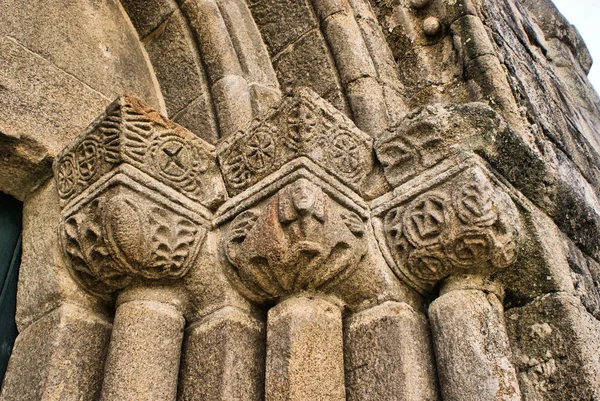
<point x="556" y="345"/>
<point x="388" y="355"/>
<point x="44" y="281"/>
<point x="144" y="353"/>
<point x="223" y="358"/>
<point x="455" y="218"/>
<point x="282" y="22"/>
<point x="304" y="351"/>
<point x="91" y="41"/>
<point x="59" y="357"/>
<point x="42" y="109"/>
<point x="307" y="62"/>
<point x="181" y="75"/>
<point x="147" y="16"/>
<point x="472" y="350"/>
<point x="343" y="203"/>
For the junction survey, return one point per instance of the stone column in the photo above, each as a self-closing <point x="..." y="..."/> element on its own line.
<point x="472" y="347"/>
<point x="224" y="358"/>
<point x="388" y="355"/>
<point x="455" y="234"/>
<point x="135" y="191"/>
<point x="145" y="348"/>
<point x="305" y="351"/>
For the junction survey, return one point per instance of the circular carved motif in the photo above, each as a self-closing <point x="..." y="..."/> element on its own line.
<point x="471" y="249"/>
<point x="174" y="158"/>
<point x="86" y="157"/>
<point x="259" y="151"/>
<point x="345" y="154"/>
<point x="426" y="265"/>
<point x="66" y="178"/>
<point x="425" y="219"/>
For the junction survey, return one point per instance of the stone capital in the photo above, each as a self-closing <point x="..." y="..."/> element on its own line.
<point x="456" y="219"/>
<point x="301" y="235"/>
<point x="135" y="191"/>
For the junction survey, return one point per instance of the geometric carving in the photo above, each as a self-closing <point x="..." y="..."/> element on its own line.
<point x="464" y="224"/>
<point x="427" y="135"/>
<point x="297" y="240"/>
<point x="134" y="189"/>
<point x="130" y="132"/>
<point x="302" y="125"/>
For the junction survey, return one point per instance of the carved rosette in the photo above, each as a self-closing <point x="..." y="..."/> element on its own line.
<point x="466" y="224"/>
<point x="134" y="190"/>
<point x="297" y="240"/>
<point x="302" y="125"/>
<point x="132" y="133"/>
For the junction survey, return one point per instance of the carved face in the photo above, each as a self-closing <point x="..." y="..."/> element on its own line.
<point x="304" y="195"/>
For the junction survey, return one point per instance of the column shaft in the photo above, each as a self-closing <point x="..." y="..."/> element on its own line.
<point x="144" y="352"/>
<point x="224" y="358"/>
<point x="472" y="349"/>
<point x="388" y="355"/>
<point x="305" y="351"/>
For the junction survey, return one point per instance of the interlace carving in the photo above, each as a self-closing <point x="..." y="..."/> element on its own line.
<point x="302" y="125"/>
<point x="466" y="225"/>
<point x="299" y="241"/>
<point x="132" y="133"/>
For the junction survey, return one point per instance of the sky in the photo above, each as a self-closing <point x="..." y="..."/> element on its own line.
<point x="585" y="15"/>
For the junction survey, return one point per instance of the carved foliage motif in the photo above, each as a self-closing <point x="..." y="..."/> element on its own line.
<point x="299" y="241"/>
<point x="466" y="226"/>
<point x="115" y="238"/>
<point x="131" y="133"/>
<point x="303" y="125"/>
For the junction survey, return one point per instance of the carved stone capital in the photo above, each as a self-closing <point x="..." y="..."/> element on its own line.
<point x="134" y="189"/>
<point x="130" y="132"/>
<point x="455" y="219"/>
<point x="428" y="135"/>
<point x="299" y="235"/>
<point x="303" y="125"/>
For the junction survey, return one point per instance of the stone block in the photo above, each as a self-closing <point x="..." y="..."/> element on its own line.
<point x="199" y="118"/>
<point x="224" y="358"/>
<point x="470" y="32"/>
<point x="556" y="345"/>
<point x="248" y="44"/>
<point x="233" y="104"/>
<point x="42" y="108"/>
<point x="282" y="22"/>
<point x="304" y="351"/>
<point x="181" y="75"/>
<point x="93" y="42"/>
<point x="59" y="357"/>
<point x="148" y="15"/>
<point x="388" y="355"/>
<point x="144" y="353"/>
<point x="307" y="62"/>
<point x="212" y="35"/>
<point x="44" y="281"/>
<point x="352" y="61"/>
